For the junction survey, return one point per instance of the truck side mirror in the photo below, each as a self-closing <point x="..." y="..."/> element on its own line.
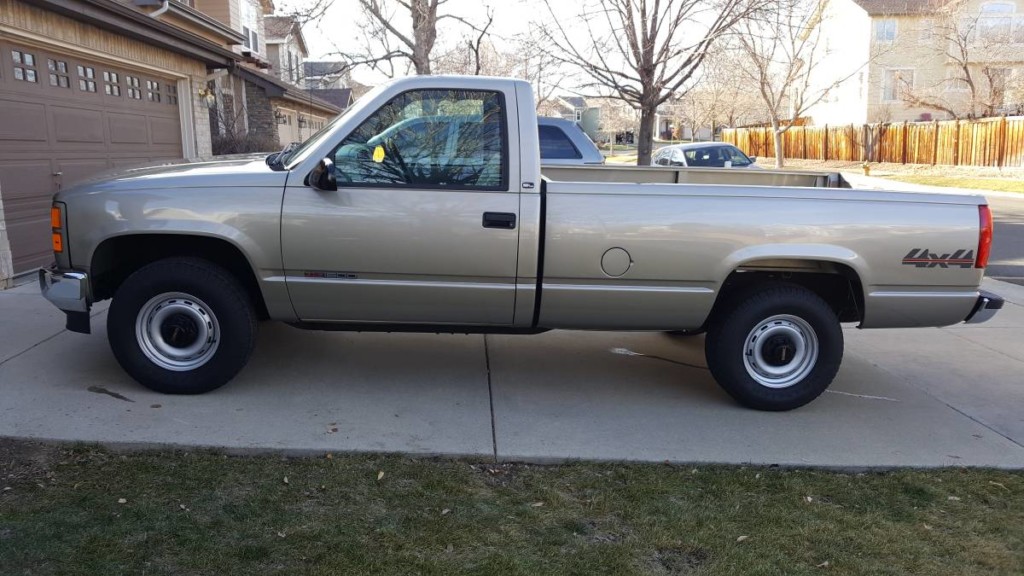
<point x="322" y="177"/>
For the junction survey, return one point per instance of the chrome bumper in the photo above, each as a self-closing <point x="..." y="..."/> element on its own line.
<point x="986" y="307"/>
<point x="66" y="290"/>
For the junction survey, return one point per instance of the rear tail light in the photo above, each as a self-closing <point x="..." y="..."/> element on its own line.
<point x="984" y="236"/>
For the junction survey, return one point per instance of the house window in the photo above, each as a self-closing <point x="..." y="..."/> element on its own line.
<point x="885" y="30"/>
<point x="578" y="115"/>
<point x="134" y="87"/>
<point x="996" y="22"/>
<point x="245" y="34"/>
<point x="24" y="66"/>
<point x="152" y="91"/>
<point x="955" y="81"/>
<point x="86" y="79"/>
<point x="255" y="41"/>
<point x="172" y="94"/>
<point x="111" y="83"/>
<point x="1017" y="37"/>
<point x="58" y="73"/>
<point x="897" y="83"/>
<point x="924" y="30"/>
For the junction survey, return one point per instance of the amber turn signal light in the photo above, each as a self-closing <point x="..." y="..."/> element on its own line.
<point x="55" y="219"/>
<point x="58" y="242"/>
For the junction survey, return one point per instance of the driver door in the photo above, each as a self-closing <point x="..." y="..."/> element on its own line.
<point x="423" y="228"/>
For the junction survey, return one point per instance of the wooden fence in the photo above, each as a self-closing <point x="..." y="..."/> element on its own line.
<point x="988" y="142"/>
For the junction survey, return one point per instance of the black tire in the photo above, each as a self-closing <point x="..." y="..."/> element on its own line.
<point x="798" y="315"/>
<point x="179" y="299"/>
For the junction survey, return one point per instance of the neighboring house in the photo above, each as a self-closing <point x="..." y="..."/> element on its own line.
<point x="258" y="106"/>
<point x="286" y="48"/>
<point x="584" y="111"/>
<point x="332" y="75"/>
<point x="90" y="85"/>
<point x="920" y="59"/>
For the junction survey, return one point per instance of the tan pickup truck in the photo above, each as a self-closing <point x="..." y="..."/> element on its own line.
<point x="425" y="208"/>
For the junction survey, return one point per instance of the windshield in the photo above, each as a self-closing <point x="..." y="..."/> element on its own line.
<point x="294" y="151"/>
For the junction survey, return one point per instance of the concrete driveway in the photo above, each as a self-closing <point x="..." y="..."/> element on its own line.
<point x="930" y="397"/>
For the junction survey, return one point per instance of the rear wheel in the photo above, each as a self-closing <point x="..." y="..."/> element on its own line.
<point x="181" y="326"/>
<point x="775" y="348"/>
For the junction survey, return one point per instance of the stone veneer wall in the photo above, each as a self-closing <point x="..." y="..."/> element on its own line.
<point x="260" y="113"/>
<point x="6" y="259"/>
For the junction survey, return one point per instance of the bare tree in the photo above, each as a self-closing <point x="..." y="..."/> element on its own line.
<point x="972" y="45"/>
<point x="643" y="51"/>
<point x="783" y="53"/>
<point x="403" y="31"/>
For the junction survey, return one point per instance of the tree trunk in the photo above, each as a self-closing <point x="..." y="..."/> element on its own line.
<point x="645" y="140"/>
<point x="777" y="134"/>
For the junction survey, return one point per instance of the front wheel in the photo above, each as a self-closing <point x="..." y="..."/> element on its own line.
<point x="775" y="348"/>
<point x="181" y="326"/>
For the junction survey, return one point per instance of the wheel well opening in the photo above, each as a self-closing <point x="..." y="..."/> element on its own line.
<point x="837" y="284"/>
<point x="115" y="259"/>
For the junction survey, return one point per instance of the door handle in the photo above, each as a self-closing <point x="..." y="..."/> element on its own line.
<point x="502" y="220"/>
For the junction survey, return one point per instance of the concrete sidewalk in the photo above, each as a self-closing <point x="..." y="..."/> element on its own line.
<point x="930" y="397"/>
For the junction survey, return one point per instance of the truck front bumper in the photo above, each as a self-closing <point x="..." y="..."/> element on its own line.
<point x="985" y="308"/>
<point x="68" y="291"/>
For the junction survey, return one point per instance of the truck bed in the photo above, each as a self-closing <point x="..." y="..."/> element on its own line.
<point x="669" y="175"/>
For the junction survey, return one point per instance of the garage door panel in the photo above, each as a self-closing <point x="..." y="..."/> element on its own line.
<point x="28" y="229"/>
<point x="22" y="120"/>
<point x="74" y="171"/>
<point x="77" y="125"/>
<point x="24" y="179"/>
<point x="165" y="131"/>
<point x="128" y="128"/>
<point x="129" y="162"/>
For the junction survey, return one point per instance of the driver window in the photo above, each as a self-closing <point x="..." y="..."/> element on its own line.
<point x="429" y="139"/>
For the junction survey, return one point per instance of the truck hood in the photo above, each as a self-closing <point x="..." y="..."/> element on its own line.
<point x="249" y="171"/>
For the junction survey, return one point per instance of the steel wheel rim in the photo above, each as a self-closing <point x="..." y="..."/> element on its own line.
<point x="780" y="351"/>
<point x="177" y="331"/>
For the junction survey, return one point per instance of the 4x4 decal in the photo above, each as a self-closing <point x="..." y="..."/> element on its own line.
<point x="922" y="258"/>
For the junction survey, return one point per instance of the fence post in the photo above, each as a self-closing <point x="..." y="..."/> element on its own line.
<point x="865" y="143"/>
<point x="935" y="143"/>
<point x="1001" y="152"/>
<point x="903" y="148"/>
<point x="824" y="144"/>
<point x="956" y="144"/>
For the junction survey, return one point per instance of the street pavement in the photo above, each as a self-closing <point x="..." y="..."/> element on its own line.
<point x="927" y="397"/>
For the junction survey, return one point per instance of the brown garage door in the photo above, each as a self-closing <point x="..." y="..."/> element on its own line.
<point x="63" y="118"/>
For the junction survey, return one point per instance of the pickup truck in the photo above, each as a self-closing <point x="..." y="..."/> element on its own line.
<point x="463" y="230"/>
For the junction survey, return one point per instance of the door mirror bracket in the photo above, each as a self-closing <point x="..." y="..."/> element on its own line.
<point x="322" y="177"/>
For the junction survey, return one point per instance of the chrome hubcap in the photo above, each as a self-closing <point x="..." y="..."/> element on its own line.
<point x="780" y="351"/>
<point x="177" y="331"/>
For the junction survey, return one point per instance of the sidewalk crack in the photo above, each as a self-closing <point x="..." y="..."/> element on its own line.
<point x="490" y="397"/>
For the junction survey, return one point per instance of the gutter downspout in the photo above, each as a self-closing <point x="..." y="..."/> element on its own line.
<point x="159" y="11"/>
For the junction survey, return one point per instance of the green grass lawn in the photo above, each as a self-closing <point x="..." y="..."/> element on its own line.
<point x="86" y="511"/>
<point x="999" y="184"/>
